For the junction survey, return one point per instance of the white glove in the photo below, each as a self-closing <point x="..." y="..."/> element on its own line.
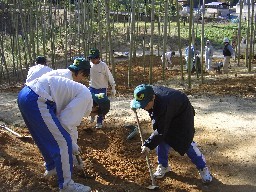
<point x="145" y="150"/>
<point x="113" y="92"/>
<point x="75" y="149"/>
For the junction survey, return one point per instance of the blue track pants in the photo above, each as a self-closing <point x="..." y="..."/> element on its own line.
<point x="193" y="153"/>
<point x="53" y="141"/>
<point x="97" y="91"/>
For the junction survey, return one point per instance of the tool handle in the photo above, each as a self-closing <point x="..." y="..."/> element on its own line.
<point x="78" y="159"/>
<point x="133" y="133"/>
<point x="15" y="133"/>
<point x="147" y="158"/>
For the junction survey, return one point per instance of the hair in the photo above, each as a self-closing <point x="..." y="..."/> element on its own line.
<point x="43" y="63"/>
<point x="40" y="60"/>
<point x="97" y="57"/>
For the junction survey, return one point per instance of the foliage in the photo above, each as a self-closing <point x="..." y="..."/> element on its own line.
<point x="48" y="24"/>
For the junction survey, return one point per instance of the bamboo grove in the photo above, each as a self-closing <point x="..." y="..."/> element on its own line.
<point x="63" y="29"/>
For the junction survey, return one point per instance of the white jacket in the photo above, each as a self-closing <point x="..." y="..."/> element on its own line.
<point x="208" y="51"/>
<point x="61" y="72"/>
<point x="168" y="56"/>
<point x="73" y="100"/>
<point x="37" y="71"/>
<point x="100" y="75"/>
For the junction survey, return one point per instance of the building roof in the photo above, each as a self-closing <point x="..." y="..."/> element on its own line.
<point x="217" y="3"/>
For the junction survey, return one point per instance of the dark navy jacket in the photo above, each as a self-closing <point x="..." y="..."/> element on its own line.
<point x="227" y="50"/>
<point x="172" y="119"/>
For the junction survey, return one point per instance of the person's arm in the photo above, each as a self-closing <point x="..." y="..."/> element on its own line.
<point x="211" y="51"/>
<point x="231" y="50"/>
<point x="162" y="120"/>
<point x="71" y="116"/>
<point x="111" y="81"/>
<point x="154" y="140"/>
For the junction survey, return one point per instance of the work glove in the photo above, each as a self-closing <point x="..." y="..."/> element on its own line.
<point x="75" y="149"/>
<point x="131" y="106"/>
<point x="113" y="92"/>
<point x="144" y="150"/>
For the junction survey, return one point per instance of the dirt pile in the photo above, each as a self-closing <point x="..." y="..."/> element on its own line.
<point x="225" y="131"/>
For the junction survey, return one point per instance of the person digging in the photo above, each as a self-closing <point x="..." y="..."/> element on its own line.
<point x="172" y="118"/>
<point x="101" y="105"/>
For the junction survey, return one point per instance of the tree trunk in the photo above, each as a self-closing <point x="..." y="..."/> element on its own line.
<point x="109" y="38"/>
<point x="151" y="41"/>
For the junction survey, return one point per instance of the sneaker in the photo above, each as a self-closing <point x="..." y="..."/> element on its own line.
<point x="161" y="170"/>
<point x="205" y="175"/>
<point x="75" y="187"/>
<point x="48" y="174"/>
<point x="98" y="126"/>
<point x="92" y="119"/>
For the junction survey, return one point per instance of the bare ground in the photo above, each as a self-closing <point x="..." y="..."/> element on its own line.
<point x="225" y="131"/>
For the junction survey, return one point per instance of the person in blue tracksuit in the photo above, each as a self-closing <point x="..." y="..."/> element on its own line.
<point x="100" y="78"/>
<point x="173" y="122"/>
<point x="52" y="108"/>
<point x="101" y="104"/>
<point x="189" y="50"/>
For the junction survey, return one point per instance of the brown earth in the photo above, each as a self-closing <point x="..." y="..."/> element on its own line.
<point x="116" y="162"/>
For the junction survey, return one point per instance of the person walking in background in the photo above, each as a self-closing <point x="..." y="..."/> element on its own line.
<point x="168" y="58"/>
<point x="189" y="49"/>
<point x="172" y="118"/>
<point x="208" y="55"/>
<point x="100" y="77"/>
<point x="52" y="108"/>
<point x="228" y="51"/>
<point x="38" y="69"/>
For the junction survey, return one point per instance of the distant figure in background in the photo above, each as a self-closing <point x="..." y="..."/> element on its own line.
<point x="208" y="55"/>
<point x="196" y="63"/>
<point x="243" y="41"/>
<point x="168" y="58"/>
<point x="228" y="51"/>
<point x="38" y="69"/>
<point x="192" y="55"/>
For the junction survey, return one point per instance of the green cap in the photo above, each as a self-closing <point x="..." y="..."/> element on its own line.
<point x="79" y="64"/>
<point x="143" y="94"/>
<point x="102" y="101"/>
<point x="94" y="53"/>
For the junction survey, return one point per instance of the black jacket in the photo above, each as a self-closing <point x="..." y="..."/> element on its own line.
<point x="226" y="51"/>
<point x="173" y="120"/>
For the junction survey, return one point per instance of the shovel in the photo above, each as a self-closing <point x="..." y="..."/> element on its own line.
<point x="153" y="185"/>
<point x="80" y="163"/>
<point x="22" y="137"/>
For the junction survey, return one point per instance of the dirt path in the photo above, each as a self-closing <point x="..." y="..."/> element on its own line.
<point x="225" y="131"/>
